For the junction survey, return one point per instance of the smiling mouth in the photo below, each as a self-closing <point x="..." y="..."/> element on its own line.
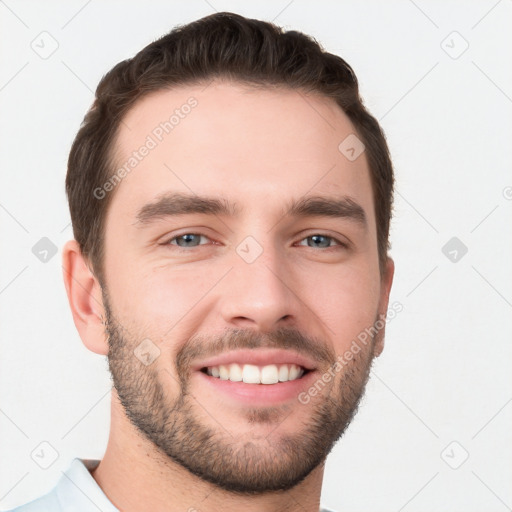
<point x="253" y="374"/>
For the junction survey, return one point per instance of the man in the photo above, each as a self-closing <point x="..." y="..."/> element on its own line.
<point x="231" y="200"/>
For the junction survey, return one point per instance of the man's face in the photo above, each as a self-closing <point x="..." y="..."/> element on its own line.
<point x="197" y="301"/>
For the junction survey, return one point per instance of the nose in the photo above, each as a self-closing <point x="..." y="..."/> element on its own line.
<point x="260" y="294"/>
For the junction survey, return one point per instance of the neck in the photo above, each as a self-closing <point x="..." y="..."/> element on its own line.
<point x="135" y="475"/>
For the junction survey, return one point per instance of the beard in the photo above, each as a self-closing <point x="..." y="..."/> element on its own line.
<point x="247" y="463"/>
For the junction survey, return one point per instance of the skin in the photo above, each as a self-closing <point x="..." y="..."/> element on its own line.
<point x="269" y="146"/>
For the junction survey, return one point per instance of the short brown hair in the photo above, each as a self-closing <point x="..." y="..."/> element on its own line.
<point x="227" y="46"/>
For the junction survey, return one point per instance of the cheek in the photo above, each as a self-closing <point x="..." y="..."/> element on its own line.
<point x="164" y="301"/>
<point x="347" y="303"/>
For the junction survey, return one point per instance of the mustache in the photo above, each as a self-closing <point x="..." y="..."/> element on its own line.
<point x="202" y="346"/>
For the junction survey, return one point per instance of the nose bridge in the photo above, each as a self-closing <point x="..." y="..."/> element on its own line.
<point x="257" y="292"/>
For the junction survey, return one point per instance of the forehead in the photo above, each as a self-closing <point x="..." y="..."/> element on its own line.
<point x="250" y="146"/>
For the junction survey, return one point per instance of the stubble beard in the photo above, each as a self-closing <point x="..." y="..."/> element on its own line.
<point x="245" y="464"/>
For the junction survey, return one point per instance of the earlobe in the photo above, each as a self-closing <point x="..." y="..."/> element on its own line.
<point x="85" y="298"/>
<point x="386" y="283"/>
<point x="378" y="345"/>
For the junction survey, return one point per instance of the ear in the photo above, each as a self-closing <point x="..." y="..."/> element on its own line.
<point x="85" y="298"/>
<point x="385" y="289"/>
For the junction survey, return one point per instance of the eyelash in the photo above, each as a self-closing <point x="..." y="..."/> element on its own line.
<point x="339" y="243"/>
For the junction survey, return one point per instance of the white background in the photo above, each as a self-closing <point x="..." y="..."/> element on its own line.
<point x="445" y="373"/>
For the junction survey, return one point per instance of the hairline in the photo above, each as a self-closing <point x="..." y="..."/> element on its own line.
<point x="113" y="156"/>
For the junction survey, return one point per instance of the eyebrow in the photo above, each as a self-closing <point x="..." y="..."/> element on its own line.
<point x="173" y="205"/>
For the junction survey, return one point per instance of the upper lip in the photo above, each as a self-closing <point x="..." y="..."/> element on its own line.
<point x="258" y="357"/>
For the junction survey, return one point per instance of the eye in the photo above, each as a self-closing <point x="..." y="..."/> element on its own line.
<point x="322" y="241"/>
<point x="186" y="240"/>
<point x="191" y="240"/>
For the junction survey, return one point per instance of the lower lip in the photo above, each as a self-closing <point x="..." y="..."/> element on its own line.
<point x="259" y="394"/>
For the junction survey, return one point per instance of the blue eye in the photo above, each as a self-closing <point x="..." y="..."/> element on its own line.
<point x="322" y="241"/>
<point x="188" y="239"/>
<point x="191" y="240"/>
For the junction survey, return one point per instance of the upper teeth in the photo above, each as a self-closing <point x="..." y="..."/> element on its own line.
<point x="251" y="374"/>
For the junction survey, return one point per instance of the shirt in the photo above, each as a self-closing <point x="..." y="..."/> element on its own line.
<point x="76" y="491"/>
